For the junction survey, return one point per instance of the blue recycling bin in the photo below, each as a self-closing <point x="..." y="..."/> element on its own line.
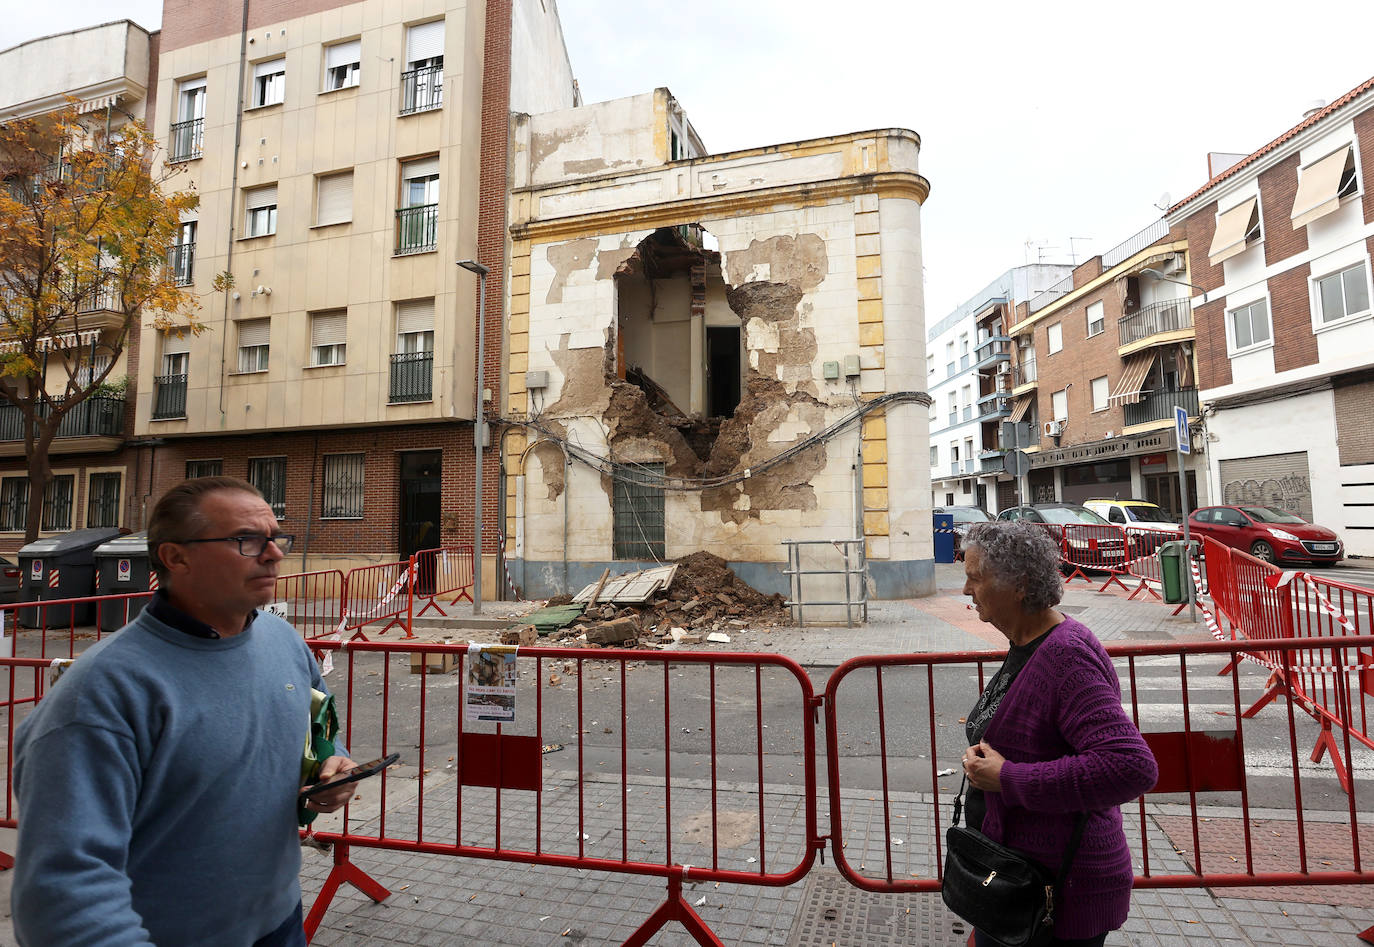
<point x="943" y="529"/>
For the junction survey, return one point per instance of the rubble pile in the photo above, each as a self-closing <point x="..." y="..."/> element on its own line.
<point x="705" y="597"/>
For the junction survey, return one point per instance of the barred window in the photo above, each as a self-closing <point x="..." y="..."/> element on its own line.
<point x="14" y="503"/>
<point x="57" y="503"/>
<point x="343" y="486"/>
<point x="102" y="501"/>
<point x="638" y="512"/>
<point x="268" y="474"/>
<point x="204" y="468"/>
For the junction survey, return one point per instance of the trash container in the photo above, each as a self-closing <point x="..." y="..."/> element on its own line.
<point x="1173" y="569"/>
<point x="60" y="567"/>
<point x="943" y="529"/>
<point x="121" y="567"/>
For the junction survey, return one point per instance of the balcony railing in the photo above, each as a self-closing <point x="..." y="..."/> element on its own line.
<point x="994" y="349"/>
<point x="993" y="406"/>
<point x="1158" y="405"/>
<point x="1042" y="299"/>
<point x="417" y="228"/>
<point x="412" y="377"/>
<point x="186" y="140"/>
<point x="97" y="416"/>
<point x="1024" y="374"/>
<point x="1167" y="316"/>
<point x="1129" y="247"/>
<point x="422" y="89"/>
<point x="181" y="259"/>
<point x="169" y="397"/>
<point x="100" y="299"/>
<point x="994" y="463"/>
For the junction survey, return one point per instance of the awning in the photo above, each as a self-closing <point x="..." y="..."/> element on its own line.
<point x="1318" y="186"/>
<point x="95" y="105"/>
<point x="1232" y="226"/>
<point x="1132" y="381"/>
<point x="1021" y="408"/>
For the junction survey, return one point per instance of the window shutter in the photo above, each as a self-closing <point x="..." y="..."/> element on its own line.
<point x="329" y="328"/>
<point x="173" y="344"/>
<point x="335" y="201"/>
<point x="192" y="85"/>
<point x="416" y="315"/>
<point x="271" y="67"/>
<point x="343" y="54"/>
<point x="253" y="332"/>
<point x="422" y="168"/>
<point x="262" y="197"/>
<point x="425" y="41"/>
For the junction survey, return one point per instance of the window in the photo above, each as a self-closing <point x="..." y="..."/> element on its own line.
<point x="417" y="215"/>
<point x="91" y="369"/>
<point x="102" y="499"/>
<point x="966" y="400"/>
<point x="1059" y="402"/>
<point x="415" y="326"/>
<point x="14" y="503"/>
<point x="268" y="474"/>
<point x="638" y="512"/>
<point x="954" y="452"/>
<point x="1249" y="324"/>
<point x="269" y="82"/>
<point x="1343" y="294"/>
<point x="953" y="408"/>
<point x="1322" y="184"/>
<point x="343" y="486"/>
<point x="328" y="337"/>
<point x="422" y="82"/>
<point x="949" y="359"/>
<point x="261" y="204"/>
<point x="183" y="255"/>
<point x="187" y="133"/>
<point x="253" y="344"/>
<point x="1097" y="321"/>
<point x="1237" y="229"/>
<point x="342" y="65"/>
<point x="1055" y="334"/>
<point x="204" y="468"/>
<point x="1100" y="393"/>
<point x="963" y="351"/>
<point x="930" y="366"/>
<point x="333" y="199"/>
<point x="57" y="503"/>
<point x="934" y="455"/>
<point x="169" y="388"/>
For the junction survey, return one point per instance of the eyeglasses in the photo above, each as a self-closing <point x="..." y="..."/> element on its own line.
<point x="252" y="544"/>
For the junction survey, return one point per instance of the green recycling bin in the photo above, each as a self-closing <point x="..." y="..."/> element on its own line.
<point x="1173" y="566"/>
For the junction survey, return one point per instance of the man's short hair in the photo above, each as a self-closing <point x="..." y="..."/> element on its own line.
<point x="177" y="515"/>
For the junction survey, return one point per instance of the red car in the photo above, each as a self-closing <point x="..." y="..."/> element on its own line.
<point x="1268" y="534"/>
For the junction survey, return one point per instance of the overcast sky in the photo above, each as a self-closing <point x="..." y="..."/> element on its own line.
<point x="1057" y="124"/>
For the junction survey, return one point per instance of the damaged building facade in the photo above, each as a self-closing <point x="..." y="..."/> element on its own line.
<point x="712" y="352"/>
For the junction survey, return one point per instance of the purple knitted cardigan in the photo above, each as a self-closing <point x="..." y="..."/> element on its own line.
<point x="1070" y="748"/>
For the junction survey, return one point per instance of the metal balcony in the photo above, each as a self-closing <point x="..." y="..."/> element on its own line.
<point x="97" y="416"/>
<point x="1024" y="374"/>
<point x="422" y="89"/>
<point x="1159" y="405"/>
<point x="169" y="397"/>
<point x="993" y="406"/>
<point x="181" y="259"/>
<point x="417" y="228"/>
<point x="1171" y="315"/>
<point x="412" y="377"/>
<point x="995" y="349"/>
<point x="994" y="462"/>
<point x="185" y="140"/>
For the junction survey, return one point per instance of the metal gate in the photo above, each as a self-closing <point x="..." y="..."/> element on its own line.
<point x="1278" y="480"/>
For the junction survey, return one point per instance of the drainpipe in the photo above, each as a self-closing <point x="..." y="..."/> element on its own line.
<point x="567" y="502"/>
<point x="233" y="201"/>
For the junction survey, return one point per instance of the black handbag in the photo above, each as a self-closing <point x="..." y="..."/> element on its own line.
<point x="1004" y="893"/>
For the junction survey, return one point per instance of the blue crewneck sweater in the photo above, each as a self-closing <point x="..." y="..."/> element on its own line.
<point x="157" y="786"/>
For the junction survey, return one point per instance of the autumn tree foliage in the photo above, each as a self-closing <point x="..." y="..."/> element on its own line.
<point x="86" y="224"/>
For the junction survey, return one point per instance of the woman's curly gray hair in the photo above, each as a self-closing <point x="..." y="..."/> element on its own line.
<point x="1023" y="555"/>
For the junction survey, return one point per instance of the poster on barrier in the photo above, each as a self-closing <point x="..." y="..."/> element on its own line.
<point x="489" y="691"/>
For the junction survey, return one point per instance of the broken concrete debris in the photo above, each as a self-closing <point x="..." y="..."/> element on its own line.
<point x="702" y="598"/>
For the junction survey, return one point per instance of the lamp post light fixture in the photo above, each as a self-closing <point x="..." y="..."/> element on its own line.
<point x="472" y="266"/>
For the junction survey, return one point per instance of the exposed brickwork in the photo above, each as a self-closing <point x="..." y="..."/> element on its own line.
<point x="187" y="22"/>
<point x="1364" y="133"/>
<point x="1295" y="345"/>
<point x="1213" y="364"/>
<point x="1278" y="188"/>
<point x="1354" y="433"/>
<point x="1200" y="228"/>
<point x="1087" y="271"/>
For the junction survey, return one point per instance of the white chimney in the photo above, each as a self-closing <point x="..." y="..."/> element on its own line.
<point x="1313" y="107"/>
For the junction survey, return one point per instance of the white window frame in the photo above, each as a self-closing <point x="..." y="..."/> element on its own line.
<point x="336" y="352"/>
<point x="1232" y="341"/>
<point x="1319" y="320"/>
<point x="269" y="87"/>
<point x="262" y="216"/>
<point x="1100" y="319"/>
<point x="346" y="71"/>
<point x="1054" y="338"/>
<point x="255" y="357"/>
<point x="1057" y="397"/>
<point x="1100" y="386"/>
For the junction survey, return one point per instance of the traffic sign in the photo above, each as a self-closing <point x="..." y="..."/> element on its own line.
<point x="1017" y="462"/>
<point x="124" y="570"/>
<point x="1185" y="444"/>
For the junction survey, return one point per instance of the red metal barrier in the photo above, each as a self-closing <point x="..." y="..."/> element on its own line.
<point x="40" y="637"/>
<point x="312" y="601"/>
<point x="376" y="594"/>
<point x="24" y="683"/>
<point x="440" y="572"/>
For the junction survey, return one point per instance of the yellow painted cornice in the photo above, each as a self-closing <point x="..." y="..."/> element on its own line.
<point x="1159" y="338"/>
<point x="891" y="184"/>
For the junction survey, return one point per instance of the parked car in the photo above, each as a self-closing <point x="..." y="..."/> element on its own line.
<point x="9" y="579"/>
<point x="1140" y="518"/>
<point x="964" y="517"/>
<point x="1088" y="548"/>
<point x="1268" y="533"/>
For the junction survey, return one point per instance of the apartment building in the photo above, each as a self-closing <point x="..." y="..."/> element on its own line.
<point x="1282" y="241"/>
<point x="970" y="375"/>
<point x="110" y="71"/>
<point x="1101" y="359"/>
<point x="347" y="155"/>
<point x="714" y="352"/>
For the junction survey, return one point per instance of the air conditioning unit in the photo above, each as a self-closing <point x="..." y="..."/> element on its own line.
<point x="1054" y="428"/>
<point x="1173" y="266"/>
<point x="1004" y="368"/>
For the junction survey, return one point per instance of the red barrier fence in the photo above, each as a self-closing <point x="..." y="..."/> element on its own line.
<point x="441" y="572"/>
<point x="383" y="593"/>
<point x="312" y="601"/>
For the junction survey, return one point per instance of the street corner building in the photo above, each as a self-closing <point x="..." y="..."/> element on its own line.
<point x="719" y="352"/>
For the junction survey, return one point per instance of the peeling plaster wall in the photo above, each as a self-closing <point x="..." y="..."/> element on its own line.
<point x="603" y="138"/>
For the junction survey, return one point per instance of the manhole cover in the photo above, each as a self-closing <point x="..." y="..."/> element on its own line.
<point x="835" y="912"/>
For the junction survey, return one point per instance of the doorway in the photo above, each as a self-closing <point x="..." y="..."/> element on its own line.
<point x="723" y="370"/>
<point x="421" y="491"/>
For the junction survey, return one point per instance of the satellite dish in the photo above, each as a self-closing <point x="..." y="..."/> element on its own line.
<point x="1164" y="201"/>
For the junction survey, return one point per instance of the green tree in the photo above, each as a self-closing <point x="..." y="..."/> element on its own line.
<point x="86" y="224"/>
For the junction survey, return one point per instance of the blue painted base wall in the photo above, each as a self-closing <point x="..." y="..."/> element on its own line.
<point x="912" y="578"/>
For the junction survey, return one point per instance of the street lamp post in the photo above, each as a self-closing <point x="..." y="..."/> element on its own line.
<point x="472" y="266"/>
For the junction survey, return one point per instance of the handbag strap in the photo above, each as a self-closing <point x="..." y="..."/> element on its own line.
<point x="1069" y="851"/>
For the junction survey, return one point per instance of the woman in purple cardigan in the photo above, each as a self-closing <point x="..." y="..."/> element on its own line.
<point x="1048" y="738"/>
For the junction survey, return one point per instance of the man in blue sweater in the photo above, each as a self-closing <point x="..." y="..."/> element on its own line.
<point x="157" y="781"/>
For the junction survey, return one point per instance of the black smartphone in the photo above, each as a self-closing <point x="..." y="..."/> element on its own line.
<point x="361" y="771"/>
